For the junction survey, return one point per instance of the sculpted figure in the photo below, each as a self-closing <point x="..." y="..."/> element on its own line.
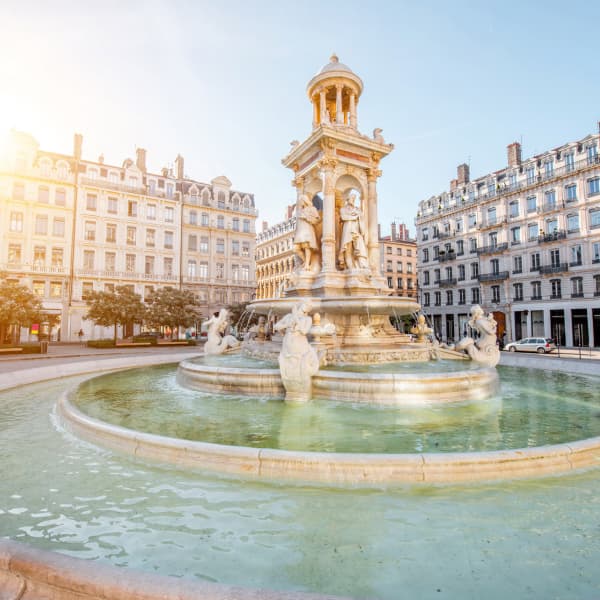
<point x="485" y="350"/>
<point x="305" y="238"/>
<point x="421" y="330"/>
<point x="216" y="341"/>
<point x="298" y="360"/>
<point x="377" y="135"/>
<point x="353" y="250"/>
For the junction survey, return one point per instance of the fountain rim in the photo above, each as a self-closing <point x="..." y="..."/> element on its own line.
<point x="337" y="469"/>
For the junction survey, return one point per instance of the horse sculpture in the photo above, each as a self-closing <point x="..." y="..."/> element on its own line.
<point x="485" y="350"/>
<point x="216" y="341"/>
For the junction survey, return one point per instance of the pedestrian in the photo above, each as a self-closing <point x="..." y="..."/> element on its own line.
<point x="80" y="335"/>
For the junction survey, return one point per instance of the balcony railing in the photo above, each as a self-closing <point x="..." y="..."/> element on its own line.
<point x="447" y="282"/>
<point x="35" y="268"/>
<point x="551" y="269"/>
<point x="499" y="276"/>
<point x="492" y="249"/>
<point x="552" y="237"/>
<point x="577" y="295"/>
<point x="446" y="256"/>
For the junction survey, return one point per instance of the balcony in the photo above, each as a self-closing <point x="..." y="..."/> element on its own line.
<point x="552" y="269"/>
<point x="499" y="276"/>
<point x="576" y="263"/>
<point x="35" y="268"/>
<point x="447" y="282"/>
<point x="552" y="237"/>
<point x="493" y="249"/>
<point x="446" y="256"/>
<point x="577" y="295"/>
<point x="444" y="235"/>
<point x="112" y="185"/>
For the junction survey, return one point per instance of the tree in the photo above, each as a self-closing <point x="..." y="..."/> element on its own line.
<point x="115" y="308"/>
<point x="241" y="316"/>
<point x="18" y="306"/>
<point x="170" y="307"/>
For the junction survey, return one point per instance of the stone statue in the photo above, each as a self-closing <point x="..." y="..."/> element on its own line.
<point x="353" y="250"/>
<point x="421" y="330"/>
<point x="485" y="350"/>
<point x="298" y="360"/>
<point x="216" y="342"/>
<point x="377" y="135"/>
<point x="305" y="238"/>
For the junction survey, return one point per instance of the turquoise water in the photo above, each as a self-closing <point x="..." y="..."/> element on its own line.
<point x="527" y="539"/>
<point x="531" y="410"/>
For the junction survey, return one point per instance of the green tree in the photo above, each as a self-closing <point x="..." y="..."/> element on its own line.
<point x="115" y="308"/>
<point x="241" y="316"/>
<point x="18" y="306"/>
<point x="172" y="308"/>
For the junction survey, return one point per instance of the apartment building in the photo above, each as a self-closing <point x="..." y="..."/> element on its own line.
<point x="523" y="242"/>
<point x="398" y="255"/>
<point x="71" y="226"/>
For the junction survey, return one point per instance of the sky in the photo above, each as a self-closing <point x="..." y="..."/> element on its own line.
<point x="224" y="84"/>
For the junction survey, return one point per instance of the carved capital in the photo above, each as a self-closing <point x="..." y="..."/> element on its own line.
<point x="373" y="174"/>
<point x="328" y="163"/>
<point x="327" y="144"/>
<point x="376" y="158"/>
<point x="298" y="182"/>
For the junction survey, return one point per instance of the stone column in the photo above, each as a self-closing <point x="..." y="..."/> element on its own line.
<point x="322" y="106"/>
<point x="339" y="118"/>
<point x="328" y="236"/>
<point x="353" y="110"/>
<point x="373" y="242"/>
<point x="315" y="112"/>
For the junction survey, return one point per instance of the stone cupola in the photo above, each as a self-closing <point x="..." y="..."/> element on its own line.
<point x="334" y="92"/>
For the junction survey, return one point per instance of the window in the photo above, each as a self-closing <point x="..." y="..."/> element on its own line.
<point x="58" y="227"/>
<point x="555" y="257"/>
<point x="438" y="298"/>
<point x="474" y="270"/>
<point x="461" y="273"/>
<point x="220" y="246"/>
<point x="89" y="232"/>
<point x="535" y="261"/>
<point x="41" y="224"/>
<point x="515" y="236"/>
<point x="110" y="261"/>
<point x="112" y="205"/>
<point x="131" y="208"/>
<point x="496" y="293"/>
<point x="475" y="295"/>
<point x="550" y="200"/>
<point x="517" y="264"/>
<point x="39" y="288"/>
<point x="425" y="234"/>
<point x="517" y="292"/>
<point x="87" y="289"/>
<point x="192" y="243"/>
<point x="57" y="257"/>
<point x="151" y="212"/>
<point x="91" y="201"/>
<point x="449" y="297"/>
<point x="572" y="223"/>
<point x="571" y="193"/>
<point x="596" y="252"/>
<point x="436" y="276"/>
<point x="594" y="219"/>
<point x="203" y="270"/>
<point x="150" y="237"/>
<point x="513" y="209"/>
<point x="204" y="244"/>
<point x="473" y="245"/>
<point x="152" y="187"/>
<point x="235" y="247"/>
<point x="495" y="264"/>
<point x="131" y="236"/>
<point x="426" y="299"/>
<point x="549" y="168"/>
<point x="493" y="239"/>
<point x="460" y="247"/>
<point x="245" y="273"/>
<point x="569" y="162"/>
<point x="55" y="289"/>
<point x="409" y="268"/>
<point x="530" y="173"/>
<point x="462" y="296"/>
<point x="169" y="240"/>
<point x="398" y="267"/>
<point x="532" y="231"/>
<point x="592" y="155"/>
<point x="235" y="224"/>
<point x="43" y="194"/>
<point x="14" y="254"/>
<point x="170" y="190"/>
<point x="551" y="225"/>
<point x="531" y="204"/>
<point x="491" y="216"/>
<point x="16" y="221"/>
<point x="111" y="233"/>
<point x="555" y="286"/>
<point x="221" y="200"/>
<point x="425" y="277"/>
<point x="191" y="268"/>
<point x="193" y="217"/>
<point x="245" y="249"/>
<point x="577" y="287"/>
<point x="130" y="263"/>
<point x="113" y="177"/>
<point x="576" y="253"/>
<point x="472" y="220"/>
<point x="425" y="255"/>
<point x="593" y="186"/>
<point x="221" y="222"/>
<point x="246" y="226"/>
<point x="204" y="220"/>
<point x="220" y="271"/>
<point x="399" y="283"/>
<point x="132" y="181"/>
<point x="536" y="290"/>
<point x="235" y="272"/>
<point x="168" y="266"/>
<point x="88" y="259"/>
<point x="149" y="265"/>
<point x="18" y="191"/>
<point x="388" y="265"/>
<point x="169" y="214"/>
<point x="60" y="197"/>
<point x="39" y="256"/>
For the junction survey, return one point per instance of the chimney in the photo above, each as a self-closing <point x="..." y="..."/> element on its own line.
<point x="265" y="225"/>
<point x="140" y="159"/>
<point x="77" y="145"/>
<point x="394" y="234"/>
<point x="514" y="154"/>
<point x="164" y="172"/>
<point x="453" y="184"/>
<point x="179" y="166"/>
<point x="403" y="232"/>
<point x="462" y="174"/>
<point x="378" y="231"/>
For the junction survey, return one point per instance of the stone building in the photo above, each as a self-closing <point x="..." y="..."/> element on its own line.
<point x="523" y="241"/>
<point x="71" y="226"/>
<point x="398" y="253"/>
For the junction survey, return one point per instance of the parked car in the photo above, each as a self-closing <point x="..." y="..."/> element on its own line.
<point x="533" y="344"/>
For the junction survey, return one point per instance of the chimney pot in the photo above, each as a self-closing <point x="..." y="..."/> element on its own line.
<point x="77" y="145"/>
<point x="514" y="154"/>
<point x="462" y="174"/>
<point x="140" y="159"/>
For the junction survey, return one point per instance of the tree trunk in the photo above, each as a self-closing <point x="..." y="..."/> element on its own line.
<point x="115" y="334"/>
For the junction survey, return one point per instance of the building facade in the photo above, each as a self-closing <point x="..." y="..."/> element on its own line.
<point x="398" y="255"/>
<point x="71" y="226"/>
<point x="523" y="242"/>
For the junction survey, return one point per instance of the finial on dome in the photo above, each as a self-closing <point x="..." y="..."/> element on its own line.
<point x="334" y="58"/>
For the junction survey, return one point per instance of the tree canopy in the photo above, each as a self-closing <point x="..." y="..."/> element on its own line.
<point x="171" y="307"/>
<point x="18" y="306"/>
<point x="115" y="308"/>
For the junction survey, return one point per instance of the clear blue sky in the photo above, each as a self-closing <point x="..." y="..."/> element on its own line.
<point x="223" y="83"/>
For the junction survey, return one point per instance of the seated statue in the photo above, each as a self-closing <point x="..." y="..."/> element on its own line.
<point x="216" y="340"/>
<point x="485" y="350"/>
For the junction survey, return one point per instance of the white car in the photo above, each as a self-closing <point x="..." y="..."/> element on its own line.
<point x="533" y="344"/>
